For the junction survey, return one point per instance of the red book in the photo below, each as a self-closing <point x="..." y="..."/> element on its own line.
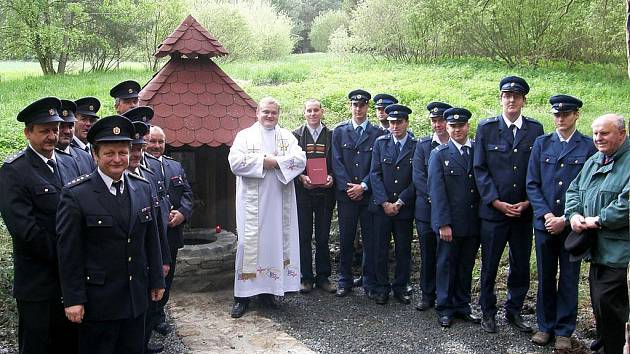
<point x="317" y="171"/>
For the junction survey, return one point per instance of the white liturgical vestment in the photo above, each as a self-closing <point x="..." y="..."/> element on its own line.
<point x="268" y="254"/>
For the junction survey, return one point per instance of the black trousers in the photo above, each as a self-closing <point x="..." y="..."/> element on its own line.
<point x="44" y="328"/>
<point x="403" y="232"/>
<point x="609" y="296"/>
<point x="161" y="314"/>
<point x="428" y="260"/>
<point x="124" y="336"/>
<point x="315" y="214"/>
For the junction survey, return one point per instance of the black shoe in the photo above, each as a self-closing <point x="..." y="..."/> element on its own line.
<point x="341" y="292"/>
<point x="445" y="321"/>
<point x="516" y="320"/>
<point x="155" y="348"/>
<point x="424" y="305"/>
<point x="381" y="299"/>
<point x="408" y="290"/>
<point x="489" y="324"/>
<point x="597" y="344"/>
<point x="403" y="298"/>
<point x="357" y="282"/>
<point x="326" y="286"/>
<point x="163" y="328"/>
<point x="239" y="309"/>
<point x="468" y="317"/>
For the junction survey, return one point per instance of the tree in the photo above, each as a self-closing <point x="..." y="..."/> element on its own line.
<point x="43" y="28"/>
<point x="628" y="35"/>
<point x="303" y="12"/>
<point x="323" y="26"/>
<point x="163" y="17"/>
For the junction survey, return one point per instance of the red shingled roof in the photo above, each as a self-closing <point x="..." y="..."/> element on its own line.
<point x="190" y="39"/>
<point x="196" y="103"/>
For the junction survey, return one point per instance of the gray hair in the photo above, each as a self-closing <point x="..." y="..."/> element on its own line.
<point x="269" y="100"/>
<point x="156" y="130"/>
<point x="617" y="119"/>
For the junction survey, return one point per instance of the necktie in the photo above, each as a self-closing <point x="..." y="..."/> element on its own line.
<point x="396" y="151"/>
<point x="564" y="146"/>
<point x="514" y="129"/>
<point x="87" y="149"/>
<point x="466" y="154"/>
<point x="359" y="131"/>
<point x="55" y="170"/>
<point x="118" y="186"/>
<point x="607" y="159"/>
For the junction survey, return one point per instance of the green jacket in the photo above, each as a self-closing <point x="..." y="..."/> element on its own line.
<point x="602" y="190"/>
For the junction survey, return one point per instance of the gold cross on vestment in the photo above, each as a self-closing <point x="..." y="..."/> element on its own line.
<point x="283" y="145"/>
<point x="253" y="149"/>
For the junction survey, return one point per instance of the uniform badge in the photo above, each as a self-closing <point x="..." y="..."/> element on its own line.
<point x="359" y="97"/>
<point x="137" y="136"/>
<point x="435" y="109"/>
<point x="64" y="113"/>
<point x="456" y="116"/>
<point x="512" y="84"/>
<point x="144" y="118"/>
<point x="394" y="112"/>
<point x="116" y="130"/>
<point x="446" y="162"/>
<point x="51" y="112"/>
<point x="91" y="108"/>
<point x="130" y="90"/>
<point x="560" y="105"/>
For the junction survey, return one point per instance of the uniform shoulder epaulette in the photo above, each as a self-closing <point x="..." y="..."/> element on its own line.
<point x="384" y="137"/>
<point x="168" y="157"/>
<point x="133" y="175"/>
<point x="341" y="124"/>
<point x="413" y="138"/>
<point x="150" y="156"/>
<point x="14" y="156"/>
<point x="78" y="180"/>
<point x="146" y="169"/>
<point x="532" y="120"/>
<point x="488" y="120"/>
<point x="58" y="150"/>
<point x="441" y="147"/>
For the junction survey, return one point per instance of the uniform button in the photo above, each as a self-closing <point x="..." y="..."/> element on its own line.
<point x="129" y="259"/>
<point x="344" y="145"/>
<point x="88" y="277"/>
<point x="146" y="216"/>
<point x="561" y="165"/>
<point x="546" y="160"/>
<point x="130" y="277"/>
<point x="451" y="171"/>
<point x="356" y="164"/>
<point x="560" y="183"/>
<point x="99" y="222"/>
<point x="168" y="196"/>
<point x="576" y="161"/>
<point x="557" y="201"/>
<point x="472" y="206"/>
<point x="356" y="178"/>
<point x="472" y="190"/>
<point x="470" y="175"/>
<point x="45" y="189"/>
<point x="128" y="240"/>
<point x="496" y="148"/>
<point x="397" y="167"/>
<point x="515" y="150"/>
<point x="358" y="152"/>
<point x="514" y="168"/>
<point x="395" y="194"/>
<point x="395" y="181"/>
<point x="514" y="185"/>
<point x="384" y="160"/>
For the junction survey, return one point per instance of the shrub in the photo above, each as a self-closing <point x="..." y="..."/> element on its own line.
<point x="251" y="30"/>
<point x="323" y="26"/>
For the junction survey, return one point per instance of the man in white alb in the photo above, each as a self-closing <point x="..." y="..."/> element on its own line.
<point x="265" y="159"/>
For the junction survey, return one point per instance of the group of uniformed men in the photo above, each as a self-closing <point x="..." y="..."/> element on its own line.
<point x="95" y="212"/>
<point x="463" y="194"/>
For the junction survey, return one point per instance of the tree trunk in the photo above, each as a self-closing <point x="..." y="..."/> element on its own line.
<point x="628" y="35"/>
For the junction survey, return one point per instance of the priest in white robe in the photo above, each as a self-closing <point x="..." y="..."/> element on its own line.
<point x="265" y="159"/>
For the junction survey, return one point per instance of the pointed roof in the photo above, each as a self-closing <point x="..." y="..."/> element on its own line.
<point x="196" y="103"/>
<point x="192" y="40"/>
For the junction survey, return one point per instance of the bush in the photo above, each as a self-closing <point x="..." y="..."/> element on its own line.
<point x="251" y="30"/>
<point x="323" y="26"/>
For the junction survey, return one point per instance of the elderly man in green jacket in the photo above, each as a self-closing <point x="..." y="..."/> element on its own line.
<point x="598" y="200"/>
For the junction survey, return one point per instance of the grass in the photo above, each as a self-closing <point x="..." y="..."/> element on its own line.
<point x="468" y="83"/>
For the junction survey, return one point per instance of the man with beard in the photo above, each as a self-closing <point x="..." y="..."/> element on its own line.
<point x="83" y="161"/>
<point x="426" y="236"/>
